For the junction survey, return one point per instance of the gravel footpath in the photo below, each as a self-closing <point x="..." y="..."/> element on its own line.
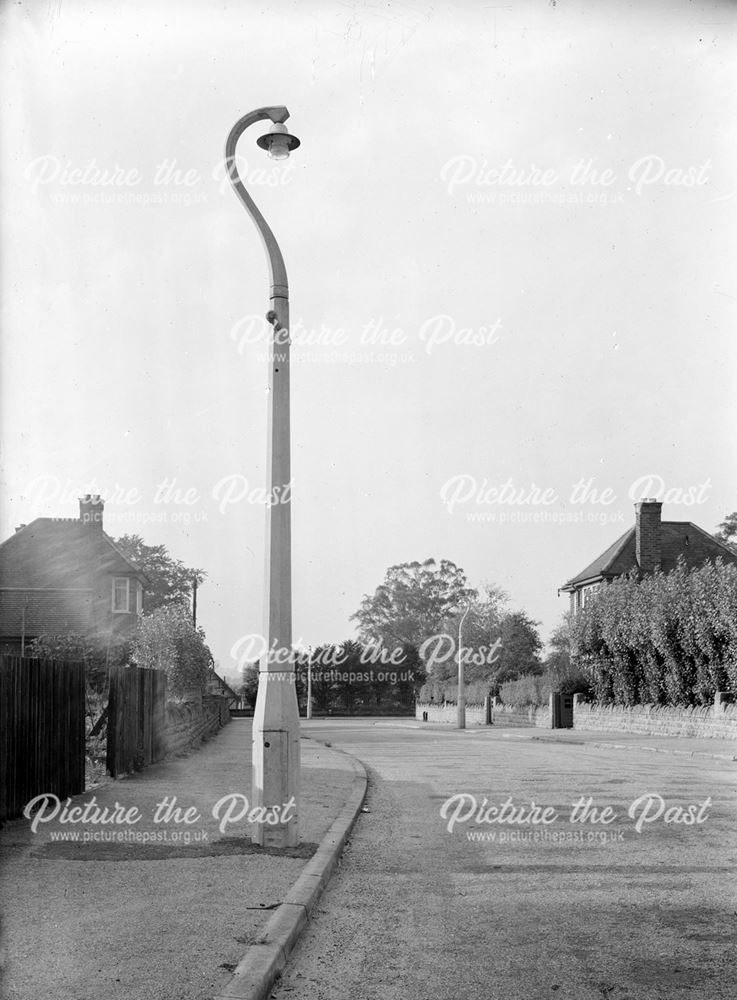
<point x="168" y="919"/>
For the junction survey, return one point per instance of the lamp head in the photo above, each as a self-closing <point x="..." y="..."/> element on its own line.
<point x="277" y="142"/>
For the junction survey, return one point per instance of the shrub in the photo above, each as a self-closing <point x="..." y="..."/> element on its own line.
<point x="670" y="639"/>
<point x="532" y="689"/>
<point x="475" y="692"/>
<point x="168" y="641"/>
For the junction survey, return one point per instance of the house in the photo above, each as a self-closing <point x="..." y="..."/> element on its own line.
<point x="649" y="545"/>
<point x="217" y="685"/>
<point x="65" y="576"/>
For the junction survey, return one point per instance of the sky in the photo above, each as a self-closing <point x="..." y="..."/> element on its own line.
<point x="510" y="238"/>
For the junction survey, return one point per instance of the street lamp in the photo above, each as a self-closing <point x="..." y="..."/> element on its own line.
<point x="461" y="709"/>
<point x="309" y="686"/>
<point x="276" y="757"/>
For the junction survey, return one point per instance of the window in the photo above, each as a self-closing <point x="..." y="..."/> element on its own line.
<point x="127" y="596"/>
<point x="588" y="593"/>
<point x="121" y="595"/>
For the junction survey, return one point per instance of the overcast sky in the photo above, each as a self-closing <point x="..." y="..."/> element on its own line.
<point x="531" y="206"/>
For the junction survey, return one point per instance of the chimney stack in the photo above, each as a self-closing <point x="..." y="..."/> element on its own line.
<point x="90" y="510"/>
<point x="647" y="535"/>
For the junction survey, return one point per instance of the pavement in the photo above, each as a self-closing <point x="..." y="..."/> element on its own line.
<point x="175" y="909"/>
<point x="685" y="746"/>
<point x="680" y="746"/>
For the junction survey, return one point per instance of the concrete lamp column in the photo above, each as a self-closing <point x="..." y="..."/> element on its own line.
<point x="461" y="707"/>
<point x="276" y="752"/>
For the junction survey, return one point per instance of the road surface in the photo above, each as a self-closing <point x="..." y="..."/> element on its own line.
<point x="524" y="904"/>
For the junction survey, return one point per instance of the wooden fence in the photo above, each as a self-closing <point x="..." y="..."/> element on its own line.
<point x="136" y="719"/>
<point x="42" y="730"/>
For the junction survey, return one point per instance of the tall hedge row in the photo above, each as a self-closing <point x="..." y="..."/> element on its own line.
<point x="670" y="639"/>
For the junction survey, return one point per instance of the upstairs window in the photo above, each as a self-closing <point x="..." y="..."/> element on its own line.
<point x="124" y="595"/>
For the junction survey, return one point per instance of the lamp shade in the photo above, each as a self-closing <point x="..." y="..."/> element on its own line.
<point x="277" y="142"/>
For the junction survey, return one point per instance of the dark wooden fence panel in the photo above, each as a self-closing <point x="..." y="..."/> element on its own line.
<point x="42" y="730"/>
<point x="136" y="719"/>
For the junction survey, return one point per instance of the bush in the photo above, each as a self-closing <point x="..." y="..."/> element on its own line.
<point x="440" y="691"/>
<point x="668" y="640"/>
<point x="535" y="689"/>
<point x="532" y="689"/>
<point x="97" y="652"/>
<point x="167" y="640"/>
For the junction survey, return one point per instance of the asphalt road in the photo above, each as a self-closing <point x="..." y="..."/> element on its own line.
<point x="582" y="910"/>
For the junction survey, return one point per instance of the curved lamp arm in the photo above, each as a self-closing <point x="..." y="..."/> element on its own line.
<point x="463" y="618"/>
<point x="277" y="270"/>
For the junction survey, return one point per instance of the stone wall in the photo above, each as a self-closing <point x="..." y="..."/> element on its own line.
<point x="504" y="715"/>
<point x="657" y="720"/>
<point x="522" y="716"/>
<point x="710" y="722"/>
<point x="475" y="714"/>
<point x="191" y="722"/>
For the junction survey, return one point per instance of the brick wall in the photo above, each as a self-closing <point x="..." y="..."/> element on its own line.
<point x="188" y="724"/>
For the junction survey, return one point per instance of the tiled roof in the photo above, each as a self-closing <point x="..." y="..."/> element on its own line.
<point x="60" y="552"/>
<point x="678" y="538"/>
<point x="217" y="683"/>
<point x="44" y="612"/>
<point x="617" y="559"/>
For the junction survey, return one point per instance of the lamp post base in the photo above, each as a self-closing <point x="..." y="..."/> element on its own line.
<point x="276" y="765"/>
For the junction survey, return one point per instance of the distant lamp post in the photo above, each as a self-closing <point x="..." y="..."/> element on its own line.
<point x="309" y="687"/>
<point x="276" y="755"/>
<point x="461" y="710"/>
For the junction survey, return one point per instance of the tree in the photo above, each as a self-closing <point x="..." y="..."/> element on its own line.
<point x="480" y="626"/>
<point x="167" y="640"/>
<point x="413" y="675"/>
<point x="558" y="660"/>
<point x="520" y="648"/>
<point x="727" y="532"/>
<point x="171" y="581"/>
<point x="561" y="673"/>
<point x="321" y="663"/>
<point x="350" y="677"/>
<point x="348" y="689"/>
<point x="249" y="683"/>
<point x="412" y="603"/>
